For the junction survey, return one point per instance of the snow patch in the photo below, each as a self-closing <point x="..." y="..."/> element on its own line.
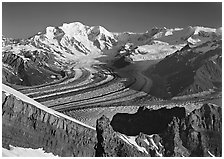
<point x="7" y="94"/>
<point x="53" y="76"/>
<point x="131" y="141"/>
<point x="50" y="32"/>
<point x="25" y="152"/>
<point x="193" y="41"/>
<point x="152" y="141"/>
<point x="205" y="29"/>
<point x="169" y="32"/>
<point x="146" y="141"/>
<point x="153" y="52"/>
<point x="211" y="154"/>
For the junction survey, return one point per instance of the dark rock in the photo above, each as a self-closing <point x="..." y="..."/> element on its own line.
<point x="204" y="131"/>
<point x="196" y="134"/>
<point x="145" y="120"/>
<point x="172" y="141"/>
<point x="187" y="71"/>
<point x="110" y="144"/>
<point x="30" y="72"/>
<point x="122" y="61"/>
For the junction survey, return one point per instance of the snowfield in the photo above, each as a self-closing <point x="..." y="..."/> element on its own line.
<point x="25" y="152"/>
<point x="131" y="141"/>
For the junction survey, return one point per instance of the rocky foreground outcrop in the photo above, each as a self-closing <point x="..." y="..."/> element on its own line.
<point x="24" y="125"/>
<point x="110" y="144"/>
<point x="163" y="132"/>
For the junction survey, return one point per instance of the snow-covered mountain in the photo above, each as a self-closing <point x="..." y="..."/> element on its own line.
<point x="74" y="38"/>
<point x="78" y="39"/>
<point x="189" y="70"/>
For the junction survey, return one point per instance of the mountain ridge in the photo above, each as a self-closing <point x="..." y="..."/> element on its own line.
<point x="75" y="40"/>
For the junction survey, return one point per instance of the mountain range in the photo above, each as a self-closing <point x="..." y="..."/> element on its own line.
<point x="59" y="49"/>
<point x="58" y="83"/>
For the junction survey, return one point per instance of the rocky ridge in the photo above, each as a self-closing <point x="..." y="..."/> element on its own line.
<point x="25" y="125"/>
<point x="188" y="71"/>
<point x="195" y="134"/>
<point x="77" y="40"/>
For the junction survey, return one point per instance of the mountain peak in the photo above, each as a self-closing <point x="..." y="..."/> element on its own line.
<point x="75" y="28"/>
<point x="73" y="24"/>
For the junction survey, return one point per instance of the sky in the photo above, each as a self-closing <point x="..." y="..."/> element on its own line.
<point x="23" y="19"/>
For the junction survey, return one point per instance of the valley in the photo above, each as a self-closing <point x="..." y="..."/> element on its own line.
<point x="88" y="89"/>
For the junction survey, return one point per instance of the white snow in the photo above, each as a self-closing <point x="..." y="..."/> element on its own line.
<point x="100" y="31"/>
<point x="205" y="29"/>
<point x="193" y="41"/>
<point x="7" y="94"/>
<point x="146" y="141"/>
<point x="131" y="141"/>
<point x="169" y="32"/>
<point x="219" y="31"/>
<point x="154" y="144"/>
<point x="53" y="76"/>
<point x="78" y="39"/>
<point x="174" y="37"/>
<point x="26" y="99"/>
<point x="176" y="29"/>
<point x="211" y="154"/>
<point x="75" y="28"/>
<point x="50" y="32"/>
<point x="153" y="52"/>
<point x="152" y="141"/>
<point x="25" y="152"/>
<point x="18" y="48"/>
